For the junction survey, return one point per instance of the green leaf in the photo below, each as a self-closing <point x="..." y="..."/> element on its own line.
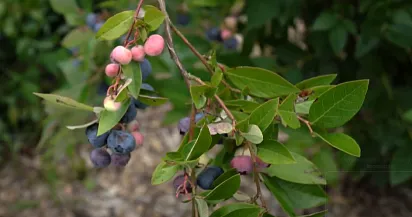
<point x="198" y="95"/>
<point x="116" y="26"/>
<point x="338" y="37"/>
<point x="316" y="214"/>
<point x="201" y="144"/>
<point x="216" y="78"/>
<point x="226" y="175"/>
<point x="108" y="119"/>
<point x="64" y="7"/>
<point x="287" y="113"/>
<point x="263" y="115"/>
<point x="296" y="196"/>
<point x="274" y="152"/>
<point x="318" y="91"/>
<point x="316" y="81"/>
<point x="202" y="207"/>
<point x="237" y="209"/>
<point x="153" y="17"/>
<point x="401" y="167"/>
<point x="339" y="104"/>
<point x="303" y="171"/>
<point x="253" y="135"/>
<point x="164" y="173"/>
<point x="241" y="105"/>
<point x="365" y="44"/>
<point x="400" y="34"/>
<point x="133" y="72"/>
<point x="261" y="12"/>
<point x="76" y="37"/>
<point x="325" y="161"/>
<point x="407" y="116"/>
<point x="64" y="101"/>
<point x="325" y="21"/>
<point x="342" y="142"/>
<point x="260" y="82"/>
<point x="303" y="107"/>
<point x="271" y="132"/>
<point x="225" y="189"/>
<point x="152" y="100"/>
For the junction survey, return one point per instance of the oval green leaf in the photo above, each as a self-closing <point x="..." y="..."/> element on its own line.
<point x="342" y="142"/>
<point x="153" y="17"/>
<point x="64" y="101"/>
<point x="263" y="115"/>
<point x="225" y="190"/>
<point x="228" y="209"/>
<point x="108" y="119"/>
<point x="287" y="113"/>
<point x="254" y="134"/>
<point x="260" y="82"/>
<point x="273" y="152"/>
<point x="316" y="81"/>
<point x="164" y="173"/>
<point x="152" y="100"/>
<point x="339" y="104"/>
<point x="200" y="145"/>
<point x="303" y="171"/>
<point x="133" y="72"/>
<point x="115" y="26"/>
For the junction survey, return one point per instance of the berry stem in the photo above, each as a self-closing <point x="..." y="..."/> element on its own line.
<point x="134" y="22"/>
<point x="256" y="177"/>
<point x="307" y="124"/>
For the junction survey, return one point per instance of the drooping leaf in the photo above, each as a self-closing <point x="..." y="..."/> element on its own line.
<point x="303" y="171"/>
<point x="202" y="207"/>
<point x="83" y="125"/>
<point x="201" y="144"/>
<point x="273" y="152"/>
<point x="164" y="173"/>
<point x="263" y="115"/>
<point x="108" y="119"/>
<point x="287" y="113"/>
<point x="64" y="7"/>
<point x="253" y="135"/>
<point x="116" y="26"/>
<point x="216" y="78"/>
<point x="152" y="100"/>
<point x="224" y="190"/>
<point x="342" y="142"/>
<point x="133" y="71"/>
<point x="64" y="101"/>
<point x="260" y="82"/>
<point x="198" y="95"/>
<point x="339" y="104"/>
<point x="325" y="21"/>
<point x="401" y="167"/>
<point x="76" y="37"/>
<point x="235" y="209"/>
<point x="153" y="16"/>
<point x="261" y="12"/>
<point x="296" y="196"/>
<point x="316" y="81"/>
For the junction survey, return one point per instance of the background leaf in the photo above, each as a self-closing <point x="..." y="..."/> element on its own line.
<point x="401" y="165"/>
<point x="153" y="16"/>
<point x="64" y="101"/>
<point x="342" y="142"/>
<point x="115" y="26"/>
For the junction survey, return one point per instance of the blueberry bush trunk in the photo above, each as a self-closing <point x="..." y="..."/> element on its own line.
<point x="238" y="108"/>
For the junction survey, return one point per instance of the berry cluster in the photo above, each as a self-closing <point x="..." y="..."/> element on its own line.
<point x="225" y="33"/>
<point x="119" y="143"/>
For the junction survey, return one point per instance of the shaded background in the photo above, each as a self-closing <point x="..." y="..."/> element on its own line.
<point x="45" y="170"/>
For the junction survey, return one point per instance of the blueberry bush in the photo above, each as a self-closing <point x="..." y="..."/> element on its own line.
<point x="238" y="107"/>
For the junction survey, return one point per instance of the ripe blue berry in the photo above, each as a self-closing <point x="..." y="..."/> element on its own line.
<point x="230" y="44"/>
<point x="100" y="157"/>
<point x="184" y="123"/>
<point x="121" y="142"/>
<point x="91" y="20"/>
<point x="120" y="160"/>
<point x="178" y="181"/>
<point x="146" y="68"/>
<point x="213" y="34"/>
<point x="102" y="89"/>
<point x="97" y="27"/>
<point x="208" y="176"/>
<point x="183" y="19"/>
<point x="243" y="164"/>
<point x="96" y="141"/>
<point x="130" y="114"/>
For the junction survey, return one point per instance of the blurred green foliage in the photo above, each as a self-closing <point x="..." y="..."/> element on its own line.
<point x="357" y="39"/>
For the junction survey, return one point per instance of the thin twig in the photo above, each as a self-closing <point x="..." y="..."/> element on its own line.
<point x="256" y="178"/>
<point x="307" y="124"/>
<point x="136" y="14"/>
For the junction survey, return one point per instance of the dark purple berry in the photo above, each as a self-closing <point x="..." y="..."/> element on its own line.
<point x="231" y="43"/>
<point x="243" y="164"/>
<point x="178" y="181"/>
<point x="184" y="123"/>
<point x="183" y="19"/>
<point x="213" y="34"/>
<point x="91" y="20"/>
<point x="121" y="142"/>
<point x="208" y="176"/>
<point x="97" y="27"/>
<point x="100" y="157"/>
<point x="120" y="160"/>
<point x="146" y="68"/>
<point x="96" y="141"/>
<point x="130" y="114"/>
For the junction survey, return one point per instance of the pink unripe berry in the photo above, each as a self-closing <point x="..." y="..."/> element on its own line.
<point x="111" y="105"/>
<point x="260" y="163"/>
<point x="154" y="45"/>
<point x="139" y="138"/>
<point x="112" y="69"/>
<point x="243" y="164"/>
<point x="121" y="55"/>
<point x="138" y="53"/>
<point x="133" y="126"/>
<point x="225" y="34"/>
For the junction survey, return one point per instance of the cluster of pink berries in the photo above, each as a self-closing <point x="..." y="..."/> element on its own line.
<point x="121" y="55"/>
